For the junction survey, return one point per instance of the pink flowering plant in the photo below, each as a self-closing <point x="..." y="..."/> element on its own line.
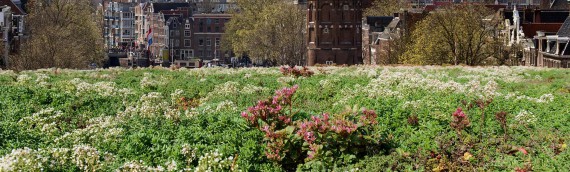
<point x="460" y="121"/>
<point x="320" y="137"/>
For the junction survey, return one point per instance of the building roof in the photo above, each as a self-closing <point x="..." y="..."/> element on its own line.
<point x="382" y="21"/>
<point x="394" y="23"/>
<point x="564" y="30"/>
<point x="559" y="4"/>
<point x="168" y="6"/>
<point x="14" y="8"/>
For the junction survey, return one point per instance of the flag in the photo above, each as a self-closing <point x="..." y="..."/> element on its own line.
<point x="149" y="37"/>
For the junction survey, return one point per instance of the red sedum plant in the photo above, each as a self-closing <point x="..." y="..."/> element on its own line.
<point x="321" y="137"/>
<point x="460" y="121"/>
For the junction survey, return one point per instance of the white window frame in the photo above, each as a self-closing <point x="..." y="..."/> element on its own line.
<point x="189" y="43"/>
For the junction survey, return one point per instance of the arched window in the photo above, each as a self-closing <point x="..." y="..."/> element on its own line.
<point x="325" y="14"/>
<point x="346" y="13"/>
<point x="346" y="36"/>
<point x="311" y="13"/>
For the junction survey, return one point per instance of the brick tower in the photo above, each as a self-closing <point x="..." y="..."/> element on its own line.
<point x="334" y="31"/>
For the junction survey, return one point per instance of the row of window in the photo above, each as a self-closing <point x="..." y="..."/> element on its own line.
<point x="176" y="43"/>
<point x="186" y="26"/>
<point x="208" y="53"/>
<point x="208" y="42"/>
<point x="209" y="21"/>
<point x="187" y="33"/>
<point x="208" y="29"/>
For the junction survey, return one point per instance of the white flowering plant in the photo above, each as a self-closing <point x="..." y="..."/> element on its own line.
<point x="157" y="119"/>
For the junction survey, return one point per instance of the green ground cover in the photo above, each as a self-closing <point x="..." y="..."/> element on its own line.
<point x="425" y="119"/>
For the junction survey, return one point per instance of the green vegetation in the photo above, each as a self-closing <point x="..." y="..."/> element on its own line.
<point x="416" y="118"/>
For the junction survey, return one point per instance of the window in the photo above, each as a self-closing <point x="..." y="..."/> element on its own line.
<point x="208" y="42"/>
<point x="217" y="29"/>
<point x="187" y="43"/>
<point x="345" y="7"/>
<point x="174" y="25"/>
<point x="187" y="26"/>
<point x="217" y="42"/>
<point x="186" y="54"/>
<point x="201" y="42"/>
<point x="177" y="43"/>
<point x="200" y="53"/>
<point x="329" y="62"/>
<point x="216" y="21"/>
<point x="209" y="29"/>
<point x="326" y="30"/>
<point x="187" y="33"/>
<point x="208" y="54"/>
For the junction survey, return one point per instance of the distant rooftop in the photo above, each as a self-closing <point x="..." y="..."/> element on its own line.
<point x="565" y="28"/>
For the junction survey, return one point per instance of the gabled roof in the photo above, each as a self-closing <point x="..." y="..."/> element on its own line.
<point x="394" y="23"/>
<point x="14" y="8"/>
<point x="559" y="4"/>
<point x="564" y="30"/>
<point x="168" y="6"/>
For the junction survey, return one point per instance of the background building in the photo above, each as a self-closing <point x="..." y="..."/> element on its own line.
<point x="207" y="36"/>
<point x="119" y="25"/>
<point x="334" y="31"/>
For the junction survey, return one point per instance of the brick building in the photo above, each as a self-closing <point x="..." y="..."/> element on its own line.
<point x="180" y="33"/>
<point x="334" y="31"/>
<point x="208" y="30"/>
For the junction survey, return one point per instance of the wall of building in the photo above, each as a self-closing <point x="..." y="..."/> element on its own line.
<point x="207" y="36"/>
<point x="334" y="32"/>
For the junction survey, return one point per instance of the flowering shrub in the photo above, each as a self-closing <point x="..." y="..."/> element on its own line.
<point x="320" y="137"/>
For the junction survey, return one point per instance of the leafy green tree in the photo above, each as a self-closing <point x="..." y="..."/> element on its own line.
<point x="63" y="34"/>
<point x="267" y="30"/>
<point x="456" y="34"/>
<point x="385" y="7"/>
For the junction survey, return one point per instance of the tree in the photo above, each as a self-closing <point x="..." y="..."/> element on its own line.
<point x="267" y="30"/>
<point x="63" y="34"/>
<point x="385" y="7"/>
<point x="453" y="35"/>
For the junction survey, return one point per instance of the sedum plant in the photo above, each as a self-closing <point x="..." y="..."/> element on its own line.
<point x="322" y="138"/>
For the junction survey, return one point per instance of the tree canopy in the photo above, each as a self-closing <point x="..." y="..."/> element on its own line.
<point x="456" y="34"/>
<point x="63" y="34"/>
<point x="267" y="30"/>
